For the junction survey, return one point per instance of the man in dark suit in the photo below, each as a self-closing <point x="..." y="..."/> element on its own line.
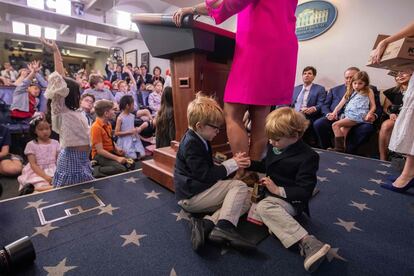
<point x="308" y="98"/>
<point x="290" y="166"/>
<point x="198" y="182"/>
<point x="358" y="134"/>
<point x="144" y="77"/>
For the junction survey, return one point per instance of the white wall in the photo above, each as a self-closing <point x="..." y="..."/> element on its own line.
<point x="142" y="48"/>
<point x="351" y="38"/>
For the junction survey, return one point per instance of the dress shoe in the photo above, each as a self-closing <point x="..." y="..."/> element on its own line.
<point x="231" y="237"/>
<point x="391" y="187"/>
<point x="27" y="189"/>
<point x="197" y="234"/>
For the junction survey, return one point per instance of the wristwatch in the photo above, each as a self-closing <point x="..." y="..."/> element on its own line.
<point x="195" y="10"/>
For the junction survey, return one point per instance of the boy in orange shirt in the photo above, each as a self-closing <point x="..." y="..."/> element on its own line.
<point x="110" y="159"/>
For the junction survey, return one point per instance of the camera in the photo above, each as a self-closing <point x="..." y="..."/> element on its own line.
<point x="16" y="255"/>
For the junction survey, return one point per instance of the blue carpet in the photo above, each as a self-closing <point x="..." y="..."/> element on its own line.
<point x="140" y="231"/>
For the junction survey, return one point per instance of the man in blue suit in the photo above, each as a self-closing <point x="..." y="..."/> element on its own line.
<point x="309" y="98"/>
<point x="360" y="133"/>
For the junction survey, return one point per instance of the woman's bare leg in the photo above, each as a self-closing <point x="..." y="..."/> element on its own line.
<point x="258" y="139"/>
<point x="236" y="132"/>
<point x="407" y="174"/>
<point x="384" y="138"/>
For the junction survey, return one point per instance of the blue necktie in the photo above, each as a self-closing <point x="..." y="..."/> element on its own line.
<point x="299" y="100"/>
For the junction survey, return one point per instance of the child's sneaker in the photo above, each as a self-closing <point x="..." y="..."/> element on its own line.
<point x="314" y="252"/>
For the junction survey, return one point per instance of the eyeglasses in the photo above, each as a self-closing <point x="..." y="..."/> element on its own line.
<point x="213" y="126"/>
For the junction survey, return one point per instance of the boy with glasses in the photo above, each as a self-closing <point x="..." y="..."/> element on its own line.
<point x="199" y="183"/>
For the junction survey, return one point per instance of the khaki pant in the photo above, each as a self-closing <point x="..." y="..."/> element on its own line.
<point x="278" y="214"/>
<point x="228" y="199"/>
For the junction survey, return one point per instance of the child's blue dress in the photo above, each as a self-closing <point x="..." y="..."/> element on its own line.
<point x="357" y="107"/>
<point x="130" y="144"/>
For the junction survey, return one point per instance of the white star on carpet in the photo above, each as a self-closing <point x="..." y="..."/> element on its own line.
<point x="370" y="192"/>
<point x="172" y="272"/>
<point x="348" y="225"/>
<point x="131" y="179"/>
<point x="91" y="190"/>
<point x="44" y="230"/>
<point x="35" y="204"/>
<point x="318" y="152"/>
<point x="322" y="179"/>
<point x="132" y="238"/>
<point x="382" y="172"/>
<point x="378" y="181"/>
<point x="360" y="206"/>
<point x="349" y="157"/>
<point x="58" y="270"/>
<point x="153" y="194"/>
<point x="108" y="209"/>
<point x="332" y="170"/>
<point x="386" y="165"/>
<point x="333" y="254"/>
<point x="342" y="163"/>
<point x="182" y="215"/>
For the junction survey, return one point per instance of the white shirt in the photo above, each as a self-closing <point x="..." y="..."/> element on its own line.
<point x="306" y="90"/>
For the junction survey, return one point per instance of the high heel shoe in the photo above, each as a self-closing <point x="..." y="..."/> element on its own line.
<point x="391" y="187"/>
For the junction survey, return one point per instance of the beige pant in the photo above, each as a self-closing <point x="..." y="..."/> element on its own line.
<point x="228" y="199"/>
<point x="278" y="214"/>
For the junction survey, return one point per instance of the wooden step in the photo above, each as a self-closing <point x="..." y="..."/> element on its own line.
<point x="165" y="156"/>
<point x="159" y="173"/>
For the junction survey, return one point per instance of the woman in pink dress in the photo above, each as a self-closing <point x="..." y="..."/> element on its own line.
<point x="266" y="52"/>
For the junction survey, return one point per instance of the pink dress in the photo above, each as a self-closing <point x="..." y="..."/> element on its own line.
<point x="46" y="157"/>
<point x="266" y="50"/>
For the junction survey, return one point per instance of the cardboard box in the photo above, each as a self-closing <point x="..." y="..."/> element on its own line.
<point x="398" y="56"/>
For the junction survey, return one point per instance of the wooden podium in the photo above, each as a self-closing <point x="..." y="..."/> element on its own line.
<point x="201" y="57"/>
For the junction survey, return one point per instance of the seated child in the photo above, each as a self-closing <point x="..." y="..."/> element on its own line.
<point x="165" y="126"/>
<point x="86" y="107"/>
<point x="109" y="157"/>
<point x="290" y="166"/>
<point x="128" y="135"/>
<point x="154" y="99"/>
<point x="198" y="182"/>
<point x="42" y="153"/>
<point x="123" y="90"/>
<point x="25" y="96"/>
<point x="98" y="89"/>
<point x="10" y="164"/>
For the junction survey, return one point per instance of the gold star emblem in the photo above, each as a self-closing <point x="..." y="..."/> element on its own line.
<point x="108" y="209"/>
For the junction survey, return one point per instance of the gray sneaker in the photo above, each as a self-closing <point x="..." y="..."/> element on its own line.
<point x="314" y="252"/>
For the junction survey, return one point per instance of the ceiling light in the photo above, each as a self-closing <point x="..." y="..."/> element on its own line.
<point x="64" y="7"/>
<point x="124" y="20"/>
<point x="35" y="30"/>
<point x="51" y="4"/>
<point x="80" y="38"/>
<point x="19" y="28"/>
<point x="91" y="41"/>
<point x="50" y="33"/>
<point x="37" y="4"/>
<point x="134" y="27"/>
